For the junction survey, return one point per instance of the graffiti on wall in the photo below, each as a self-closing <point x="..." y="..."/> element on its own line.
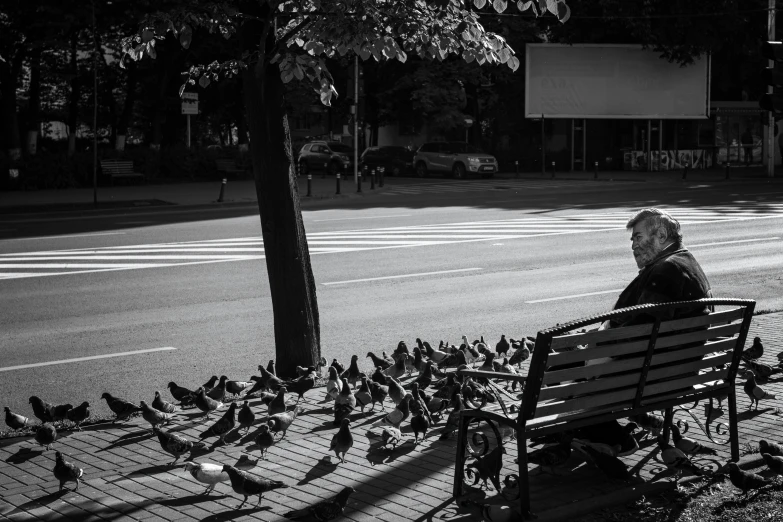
<point x="668" y="159"/>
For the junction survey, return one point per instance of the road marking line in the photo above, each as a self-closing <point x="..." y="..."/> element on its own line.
<point x="80" y="359"/>
<point x="734" y="242"/>
<point x="401" y="276"/>
<point x="62" y="237"/>
<point x="573" y="296"/>
<point x="362" y="218"/>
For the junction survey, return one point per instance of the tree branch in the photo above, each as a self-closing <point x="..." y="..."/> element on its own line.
<point x="282" y="41"/>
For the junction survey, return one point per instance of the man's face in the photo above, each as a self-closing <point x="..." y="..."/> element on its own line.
<point x="646" y="246"/>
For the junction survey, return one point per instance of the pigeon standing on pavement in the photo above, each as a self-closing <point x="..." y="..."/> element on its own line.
<point x="351" y="374"/>
<point x="248" y="485"/>
<point x="755" y="351"/>
<point x="122" y="408"/>
<point x="153" y="416"/>
<point x="207" y="473"/>
<point x="754" y="391"/>
<point x="302" y="384"/>
<point x="613" y="467"/>
<point x="502" y="346"/>
<point x="398" y="369"/>
<point x="269" y="380"/>
<point x="397" y="416"/>
<point x="175" y="445"/>
<point x="47" y="412"/>
<point x="206" y="404"/>
<point x="246" y="417"/>
<point x="45" y="435"/>
<point x="519" y="356"/>
<point x="362" y="394"/>
<point x="396" y="390"/>
<point x="378" y="362"/>
<point x="237" y="387"/>
<point x="774" y="463"/>
<point x="65" y="471"/>
<point x="283" y="421"/>
<point x="159" y="404"/>
<point x="337" y="366"/>
<point x="183" y="395"/>
<point x="210" y="384"/>
<point x="688" y="445"/>
<point x="391" y="435"/>
<point x="333" y="385"/>
<point x="322" y="511"/>
<point x="344" y="404"/>
<point x="264" y="439"/>
<point x="745" y="480"/>
<point x="278" y="403"/>
<point x="271" y="367"/>
<point x="342" y="441"/>
<point x="554" y="455"/>
<point x="676" y="460"/>
<point x="770" y="447"/>
<point x="14" y="420"/>
<point x="223" y="425"/>
<point x="79" y="414"/>
<point x="650" y="423"/>
<point x="419" y="424"/>
<point x="378" y="392"/>
<point x="218" y="393"/>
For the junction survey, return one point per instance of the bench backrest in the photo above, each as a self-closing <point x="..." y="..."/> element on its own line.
<point x="618" y="372"/>
<point x="225" y="164"/>
<point x="118" y="166"/>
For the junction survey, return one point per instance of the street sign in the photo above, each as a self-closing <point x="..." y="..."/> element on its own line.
<point x="189" y="103"/>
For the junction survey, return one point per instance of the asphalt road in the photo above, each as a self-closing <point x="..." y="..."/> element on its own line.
<point x="218" y="316"/>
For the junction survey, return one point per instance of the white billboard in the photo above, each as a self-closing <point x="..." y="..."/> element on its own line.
<point x="612" y="81"/>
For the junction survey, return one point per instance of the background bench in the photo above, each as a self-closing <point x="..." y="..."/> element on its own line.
<point x="119" y="169"/>
<point x="228" y="166"/>
<point x="661" y="365"/>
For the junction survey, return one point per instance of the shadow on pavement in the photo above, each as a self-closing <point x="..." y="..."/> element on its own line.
<point x="23" y="455"/>
<point x="36" y="502"/>
<point x="323" y="467"/>
<point x="234" y="514"/>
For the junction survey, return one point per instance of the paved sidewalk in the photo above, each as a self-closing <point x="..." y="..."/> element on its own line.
<point x="126" y="476"/>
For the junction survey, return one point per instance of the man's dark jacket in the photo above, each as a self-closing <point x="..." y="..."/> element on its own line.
<point x="672" y="276"/>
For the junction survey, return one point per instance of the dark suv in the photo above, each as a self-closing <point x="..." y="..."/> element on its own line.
<point x="456" y="157"/>
<point x="331" y="156"/>
<point x="397" y="160"/>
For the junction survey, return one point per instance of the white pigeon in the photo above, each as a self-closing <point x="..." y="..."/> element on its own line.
<point x="207" y="473"/>
<point x="333" y="386"/>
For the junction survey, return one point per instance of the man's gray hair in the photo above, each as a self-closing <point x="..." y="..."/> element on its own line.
<point x="654" y="219"/>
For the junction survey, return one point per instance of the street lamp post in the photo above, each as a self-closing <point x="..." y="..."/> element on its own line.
<point x="94" y="111"/>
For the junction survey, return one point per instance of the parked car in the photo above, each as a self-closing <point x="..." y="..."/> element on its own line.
<point x="456" y="157"/>
<point x="397" y="160"/>
<point x="331" y="156"/>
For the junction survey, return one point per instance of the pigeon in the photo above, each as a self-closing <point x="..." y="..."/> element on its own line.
<point x="269" y="380"/>
<point x="774" y="463"/>
<point x="333" y="385"/>
<point x="210" y="383"/>
<point x="397" y="370"/>
<point x="207" y="473"/>
<point x="554" y="455"/>
<point x="754" y="391"/>
<point x="337" y="366"/>
<point x="676" y="460"/>
<point x="502" y="346"/>
<point x="391" y="435"/>
<point x="247" y="485"/>
<point x="363" y="396"/>
<point x="246" y="417"/>
<point x="45" y="435"/>
<point x="65" y="471"/>
<point x="122" y="408"/>
<point x="507" y="367"/>
<point x="41" y="409"/>
<point x="223" y="425"/>
<point x="613" y="467"/>
<point x="271" y="368"/>
<point x="322" y="511"/>
<point x="153" y="416"/>
<point x="378" y="376"/>
<point x="396" y="390"/>
<point x="237" y="387"/>
<point x="487" y="365"/>
<point x="343" y="404"/>
<point x="14" y="420"/>
<point x="175" y="445"/>
<point x="183" y="395"/>
<point x="302" y="385"/>
<point x="378" y="392"/>
<point x="264" y="439"/>
<point x="397" y="416"/>
<point x="436" y="356"/>
<point x="378" y="362"/>
<point x="418" y="359"/>
<point x="401" y="349"/>
<point x="283" y="421"/>
<point x="688" y="445"/>
<point x="277" y="405"/>
<point x="351" y="375"/>
<point x="519" y="356"/>
<point x="418" y="405"/>
<point x="419" y="424"/>
<point x="487" y="467"/>
<point x="649" y="422"/>
<point x="218" y="393"/>
<point x="772" y="448"/>
<point x="452" y="422"/>
<point x="424" y="379"/>
<point x="159" y="404"/>
<point x="301" y="371"/>
<point x="762" y="371"/>
<point x="206" y="404"/>
<point x="342" y="441"/>
<point x="745" y="480"/>
<point x="755" y="351"/>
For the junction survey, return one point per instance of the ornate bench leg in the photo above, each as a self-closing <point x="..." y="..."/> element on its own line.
<point x="668" y="414"/>
<point x="733" y="432"/>
<point x="524" y="480"/>
<point x="459" y="469"/>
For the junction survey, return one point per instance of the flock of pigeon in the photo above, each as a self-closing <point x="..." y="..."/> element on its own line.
<point x="348" y="388"/>
<point x="351" y="389"/>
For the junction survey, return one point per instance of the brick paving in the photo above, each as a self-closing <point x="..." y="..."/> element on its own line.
<point x="127" y="476"/>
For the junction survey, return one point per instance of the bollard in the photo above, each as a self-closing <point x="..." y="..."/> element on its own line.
<point x="372" y="180"/>
<point x="685" y="171"/>
<point x="381" y="171"/>
<point x="553" y="170"/>
<point x="728" y="170"/>
<point x="359" y="180"/>
<point x="310" y="185"/>
<point x="326" y="169"/>
<point x="338" y="183"/>
<point x="595" y="170"/>
<point x="516" y="167"/>
<point x="222" y="191"/>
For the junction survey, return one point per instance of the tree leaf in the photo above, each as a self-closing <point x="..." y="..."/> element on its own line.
<point x="182" y="89"/>
<point x="500" y="5"/>
<point x="185" y="36"/>
<point x="151" y="50"/>
<point x="364" y="54"/>
<point x="551" y="6"/>
<point x="287" y="76"/>
<point x="147" y="35"/>
<point x="298" y="72"/>
<point x="524" y="5"/>
<point x="513" y="63"/>
<point x="204" y="81"/>
<point x="479" y="3"/>
<point x="563" y="12"/>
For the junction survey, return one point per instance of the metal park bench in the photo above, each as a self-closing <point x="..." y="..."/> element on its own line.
<point x="119" y="169"/>
<point x="228" y="166"/>
<point x="580" y="379"/>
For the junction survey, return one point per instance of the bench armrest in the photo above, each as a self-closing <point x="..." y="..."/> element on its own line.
<point x="493" y="375"/>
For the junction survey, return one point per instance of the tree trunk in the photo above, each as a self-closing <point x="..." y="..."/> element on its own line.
<point x="127" y="107"/>
<point x="34" y="107"/>
<point x="73" y="104"/>
<point x="294" y="303"/>
<point x="9" y="119"/>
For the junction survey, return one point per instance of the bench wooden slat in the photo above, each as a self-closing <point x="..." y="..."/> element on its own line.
<point x="119" y="169"/>
<point x="698" y="392"/>
<point x="626" y="332"/>
<point x="540" y="422"/>
<point x="714" y="318"/>
<point x="669" y="341"/>
<point x="493" y="375"/>
<point x="586" y="402"/>
<point x="674" y="384"/>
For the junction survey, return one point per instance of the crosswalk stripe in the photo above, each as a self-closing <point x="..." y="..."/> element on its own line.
<point x="207" y="251"/>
